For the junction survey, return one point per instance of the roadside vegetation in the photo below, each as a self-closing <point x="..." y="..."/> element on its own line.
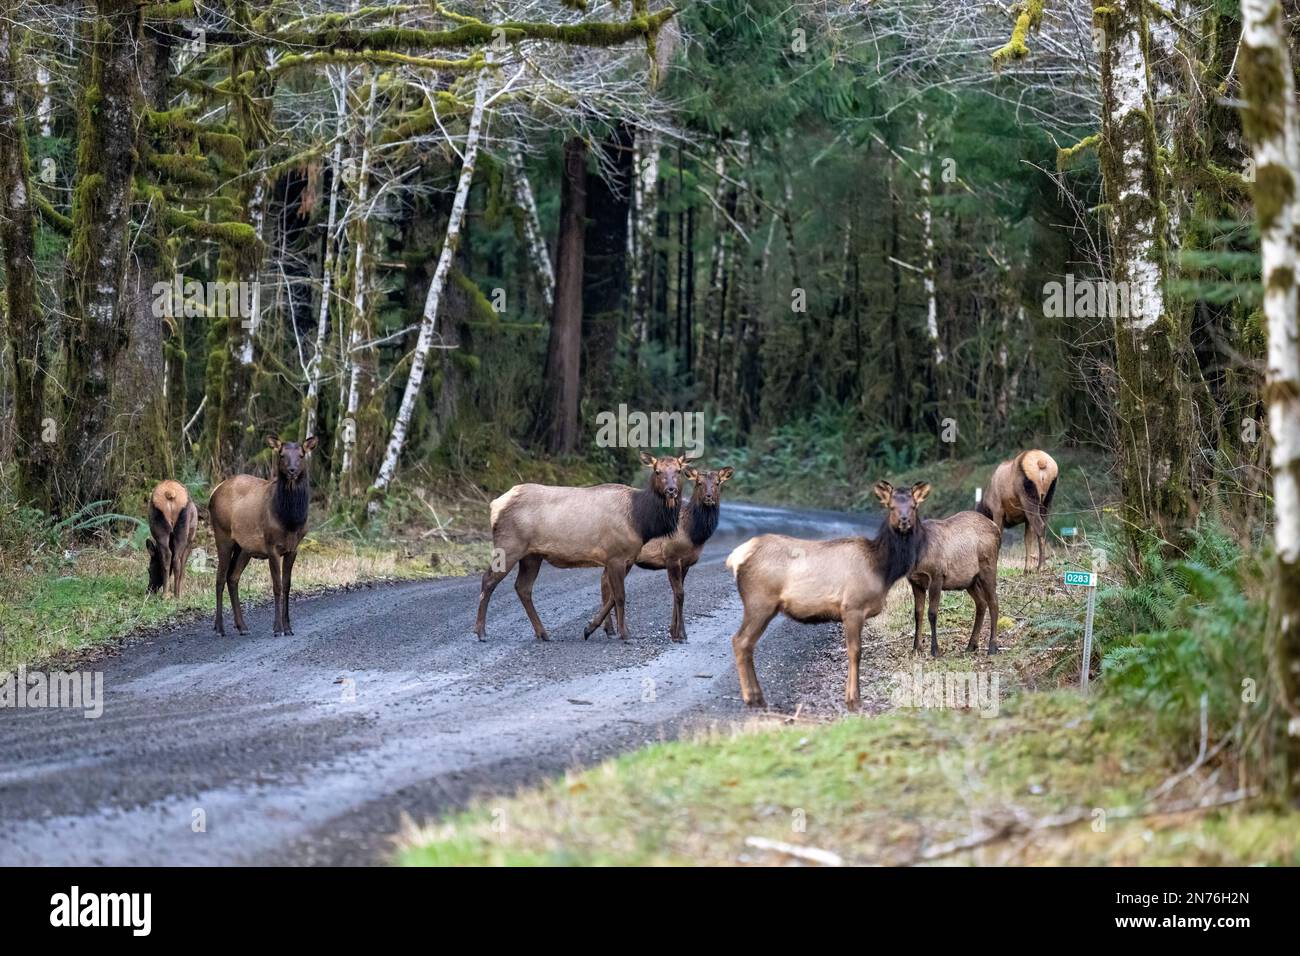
<point x="1167" y="761"/>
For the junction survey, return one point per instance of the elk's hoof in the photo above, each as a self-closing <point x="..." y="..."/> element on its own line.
<point x="993" y="650"/>
<point x="543" y="636"/>
<point x="586" y="632"/>
<point x="480" y="636"/>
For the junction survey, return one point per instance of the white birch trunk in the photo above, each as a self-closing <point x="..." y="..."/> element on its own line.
<point x="250" y="322"/>
<point x="927" y="222"/>
<point x="532" y="229"/>
<point x="359" y="215"/>
<point x="1270" y="121"/>
<point x="429" y="321"/>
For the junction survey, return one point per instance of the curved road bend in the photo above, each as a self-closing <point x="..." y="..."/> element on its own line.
<point x="307" y="750"/>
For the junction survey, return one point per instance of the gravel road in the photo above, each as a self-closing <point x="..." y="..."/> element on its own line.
<point x="308" y="749"/>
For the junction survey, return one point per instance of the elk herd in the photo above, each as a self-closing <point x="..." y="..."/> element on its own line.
<point x="616" y="526"/>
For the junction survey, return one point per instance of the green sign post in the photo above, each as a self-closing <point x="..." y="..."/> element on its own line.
<point x="1085" y="579"/>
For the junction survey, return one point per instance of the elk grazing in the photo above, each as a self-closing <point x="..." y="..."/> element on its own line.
<point x="265" y="519"/>
<point x="678" y="552"/>
<point x="959" y="553"/>
<point x="603" y="526"/>
<point x="812" y="582"/>
<point x="173" y="520"/>
<point x="1020" y="492"/>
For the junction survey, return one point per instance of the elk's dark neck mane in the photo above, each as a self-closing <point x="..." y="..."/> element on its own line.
<point x="897" y="554"/>
<point x="289" y="503"/>
<point x="652" y="515"/>
<point x="700" y="520"/>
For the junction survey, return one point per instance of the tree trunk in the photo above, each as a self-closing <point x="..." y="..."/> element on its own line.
<point x="1150" y="340"/>
<point x="564" y="349"/>
<point x="429" y="321"/>
<point x="24" y="321"/>
<point x="1269" y="121"/>
<point x="605" y="266"/>
<point x="97" y="255"/>
<point x="537" y="252"/>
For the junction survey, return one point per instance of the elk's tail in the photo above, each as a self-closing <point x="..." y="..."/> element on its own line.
<point x="740" y="555"/>
<point x="171" y="499"/>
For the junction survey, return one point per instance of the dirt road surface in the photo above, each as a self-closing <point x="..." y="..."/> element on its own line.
<point x="308" y="749"/>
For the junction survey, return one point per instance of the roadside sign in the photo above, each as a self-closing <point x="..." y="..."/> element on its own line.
<point x="1087" y="579"/>
<point x="1069" y="532"/>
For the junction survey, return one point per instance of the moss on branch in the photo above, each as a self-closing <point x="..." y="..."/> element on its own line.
<point x="1029" y="17"/>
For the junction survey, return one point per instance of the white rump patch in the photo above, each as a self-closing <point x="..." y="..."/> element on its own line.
<point x="741" y="555"/>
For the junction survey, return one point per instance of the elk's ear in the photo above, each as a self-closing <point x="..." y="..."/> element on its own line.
<point x="273" y="442"/>
<point x="920" y="491"/>
<point x="690" y="473"/>
<point x="310" y="444"/>
<point x="724" y="474"/>
<point x="885" y="492"/>
<point x="647" y="459"/>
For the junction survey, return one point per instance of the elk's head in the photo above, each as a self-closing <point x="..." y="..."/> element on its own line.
<point x="291" y="458"/>
<point x="708" y="484"/>
<point x="903" y="504"/>
<point x="667" y="475"/>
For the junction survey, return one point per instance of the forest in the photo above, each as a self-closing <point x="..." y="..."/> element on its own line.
<point x="852" y="239"/>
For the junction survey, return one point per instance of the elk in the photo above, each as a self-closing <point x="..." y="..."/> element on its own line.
<point x="265" y="519"/>
<point x="1020" y="492"/>
<point x="602" y="526"/>
<point x="678" y="552"/>
<point x="959" y="553"/>
<point x="812" y="582"/>
<point x="173" y="520"/>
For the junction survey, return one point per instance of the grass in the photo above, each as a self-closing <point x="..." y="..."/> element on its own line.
<point x="60" y="606"/>
<point x="1052" y="779"/>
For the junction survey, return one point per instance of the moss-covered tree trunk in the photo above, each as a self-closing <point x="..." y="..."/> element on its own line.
<point x="1270" y="123"/>
<point x="1153" y="420"/>
<point x="24" y="322"/>
<point x="96" y="327"/>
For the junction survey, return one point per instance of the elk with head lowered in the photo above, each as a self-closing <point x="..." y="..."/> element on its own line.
<point x="844" y="580"/>
<point x="1020" y="492"/>
<point x="173" y="521"/>
<point x="678" y="552"/>
<point x="602" y="526"/>
<point x="256" y="518"/>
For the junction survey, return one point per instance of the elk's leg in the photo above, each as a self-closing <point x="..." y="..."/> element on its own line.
<point x="606" y="603"/>
<point x="238" y="561"/>
<point x="164" y="550"/>
<point x="617" y="572"/>
<point x="491" y="578"/>
<point x="742" y="644"/>
<point x="1027" y="532"/>
<point x="676" y="630"/>
<point x="935" y="598"/>
<point x="273" y="560"/>
<point x="289" y="559"/>
<point x="681" y="602"/>
<point x="225" y="551"/>
<point x="976" y="592"/>
<point x="990" y="579"/>
<point x="528" y="569"/>
<point x="918" y="609"/>
<point x="180" y="554"/>
<point x="1040" y="532"/>
<point x="853" y="644"/>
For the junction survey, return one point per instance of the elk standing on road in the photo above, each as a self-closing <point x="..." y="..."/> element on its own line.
<point x="603" y="526"/>
<point x="960" y="553"/>
<point x="843" y="580"/>
<point x="173" y="520"/>
<point x="678" y="552"/>
<point x="1020" y="492"/>
<point x="256" y="518"/>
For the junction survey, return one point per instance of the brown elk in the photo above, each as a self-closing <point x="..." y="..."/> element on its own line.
<point x="959" y="553"/>
<point x="678" y="552"/>
<point x="173" y="521"/>
<point x="812" y="582"/>
<point x="1020" y="492"/>
<point x="264" y="519"/>
<point x="603" y="526"/>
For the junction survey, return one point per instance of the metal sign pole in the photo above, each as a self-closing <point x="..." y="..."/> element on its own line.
<point x="1087" y="636"/>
